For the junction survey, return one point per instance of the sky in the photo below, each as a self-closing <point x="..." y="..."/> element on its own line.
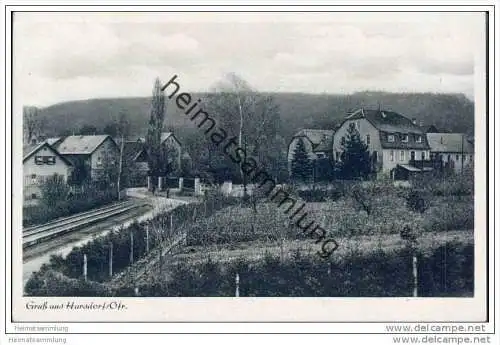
<point x="59" y="57"/>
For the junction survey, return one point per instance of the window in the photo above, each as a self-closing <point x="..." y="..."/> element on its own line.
<point x="470" y="158"/>
<point x="419" y="139"/>
<point x="423" y="155"/>
<point x="33" y="196"/>
<point x="337" y="155"/>
<point x="342" y="140"/>
<point x="402" y="156"/>
<point x="368" y="139"/>
<point x="457" y="158"/>
<point x="50" y="160"/>
<point x="320" y="155"/>
<point x="392" y="156"/>
<point x="38" y="160"/>
<point x="404" y="138"/>
<point x="390" y="138"/>
<point x="412" y="155"/>
<point x="33" y="176"/>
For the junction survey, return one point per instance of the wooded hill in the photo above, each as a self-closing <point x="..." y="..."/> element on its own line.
<point x="453" y="112"/>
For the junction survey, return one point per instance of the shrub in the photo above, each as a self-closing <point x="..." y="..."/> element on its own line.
<point x="457" y="215"/>
<point x="447" y="271"/>
<point x="83" y="201"/>
<point x="418" y="200"/>
<point x="54" y="189"/>
<point x="52" y="283"/>
<point x="453" y="185"/>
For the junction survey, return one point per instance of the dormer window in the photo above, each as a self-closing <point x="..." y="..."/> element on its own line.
<point x="404" y="138"/>
<point x="390" y="138"/>
<point x="419" y="139"/>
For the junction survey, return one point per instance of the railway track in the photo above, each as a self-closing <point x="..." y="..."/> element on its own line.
<point x="37" y="234"/>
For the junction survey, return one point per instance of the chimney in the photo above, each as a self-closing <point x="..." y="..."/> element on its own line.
<point x="414" y="121"/>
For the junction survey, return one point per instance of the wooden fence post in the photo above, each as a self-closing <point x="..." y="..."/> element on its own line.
<point x="110" y="259"/>
<point x="85" y="267"/>
<point x="237" y="285"/>
<point x="131" y="247"/>
<point x="415" y="275"/>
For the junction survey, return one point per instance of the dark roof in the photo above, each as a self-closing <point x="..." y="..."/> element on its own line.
<point x="131" y="149"/>
<point x="81" y="144"/>
<point x="392" y="123"/>
<point x="30" y="150"/>
<point x="450" y="142"/>
<point x="387" y="121"/>
<point x="321" y="139"/>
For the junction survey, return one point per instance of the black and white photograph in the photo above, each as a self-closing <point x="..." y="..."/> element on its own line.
<point x="272" y="156"/>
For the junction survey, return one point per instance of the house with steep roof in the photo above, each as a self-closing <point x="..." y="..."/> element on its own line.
<point x="395" y="142"/>
<point x="89" y="154"/>
<point x="318" y="144"/>
<point x="136" y="156"/>
<point x="454" y="150"/>
<point x="40" y="162"/>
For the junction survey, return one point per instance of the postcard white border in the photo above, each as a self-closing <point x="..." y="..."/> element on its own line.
<point x="266" y="309"/>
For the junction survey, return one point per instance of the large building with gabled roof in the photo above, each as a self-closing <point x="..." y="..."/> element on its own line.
<point x="89" y="154"/>
<point x="394" y="141"/>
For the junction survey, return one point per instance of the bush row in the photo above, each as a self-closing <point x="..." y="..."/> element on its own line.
<point x="447" y="271"/>
<point x="80" y="202"/>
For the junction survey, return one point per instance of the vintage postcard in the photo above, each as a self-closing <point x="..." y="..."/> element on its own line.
<point x="250" y="166"/>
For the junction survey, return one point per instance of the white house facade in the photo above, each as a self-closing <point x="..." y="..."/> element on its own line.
<point x="40" y="162"/>
<point x="393" y="140"/>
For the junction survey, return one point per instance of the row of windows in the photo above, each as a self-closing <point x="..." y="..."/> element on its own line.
<point x="403" y="137"/>
<point x="49" y="160"/>
<point x="457" y="157"/>
<point x="390" y="138"/>
<point x="402" y="155"/>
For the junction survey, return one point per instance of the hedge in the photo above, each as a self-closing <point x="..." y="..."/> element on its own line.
<point x="447" y="271"/>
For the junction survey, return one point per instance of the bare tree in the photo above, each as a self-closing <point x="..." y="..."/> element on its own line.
<point x="257" y="114"/>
